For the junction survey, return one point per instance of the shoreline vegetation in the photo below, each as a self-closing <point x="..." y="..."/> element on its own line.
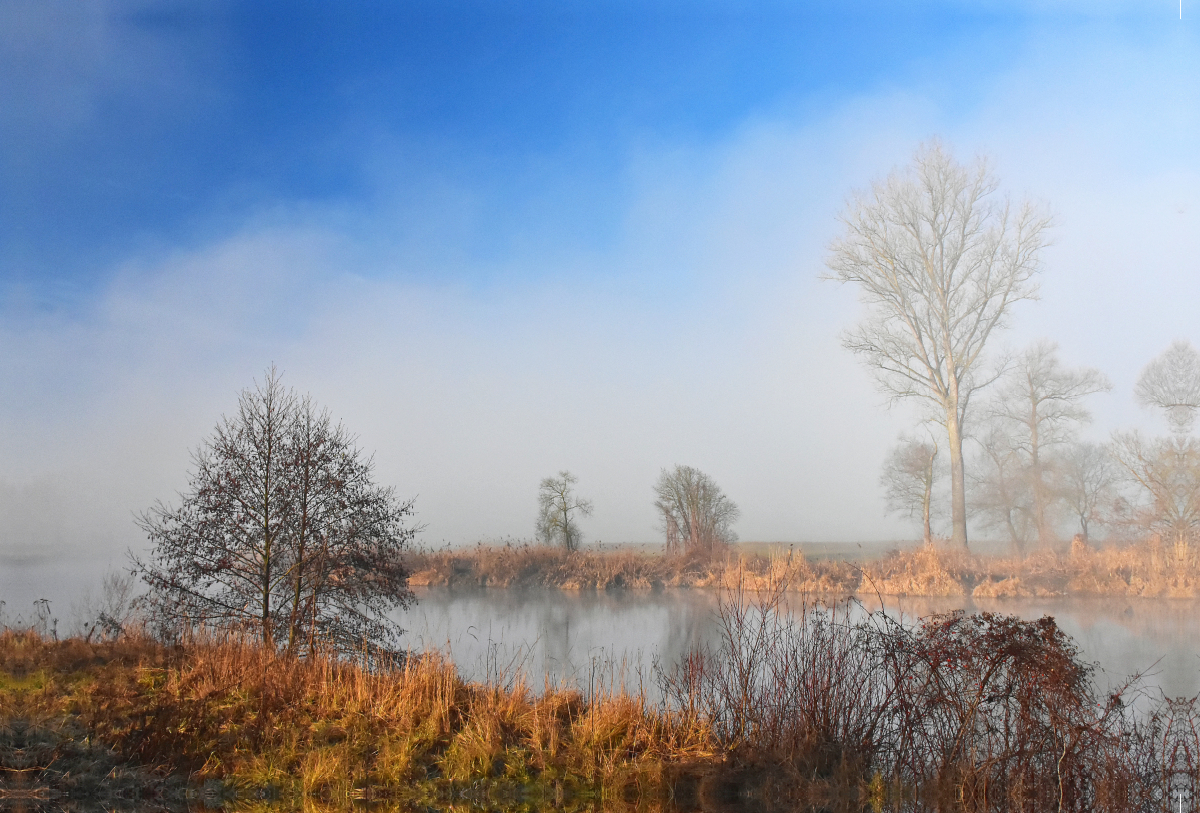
<point x="801" y="706"/>
<point x="135" y="721"/>
<point x="1148" y="568"/>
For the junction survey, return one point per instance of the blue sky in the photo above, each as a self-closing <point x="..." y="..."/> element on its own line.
<point x="503" y="239"/>
<point x="166" y="122"/>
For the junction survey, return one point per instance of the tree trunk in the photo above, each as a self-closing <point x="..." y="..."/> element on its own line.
<point x="958" y="481"/>
<point x="1035" y="472"/>
<point x="928" y="499"/>
<point x="1018" y="541"/>
<point x="1039" y="503"/>
<point x="268" y="561"/>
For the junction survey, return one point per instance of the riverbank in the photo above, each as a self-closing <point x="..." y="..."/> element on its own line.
<point x="166" y="722"/>
<point x="1145" y="569"/>
<point x="799" y="706"/>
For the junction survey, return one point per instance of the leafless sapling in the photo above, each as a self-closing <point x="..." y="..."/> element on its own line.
<point x="1085" y="480"/>
<point x="909" y="476"/>
<point x="558" y="509"/>
<point x="1000" y="487"/>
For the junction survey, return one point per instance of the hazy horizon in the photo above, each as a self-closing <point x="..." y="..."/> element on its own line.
<point x="501" y="243"/>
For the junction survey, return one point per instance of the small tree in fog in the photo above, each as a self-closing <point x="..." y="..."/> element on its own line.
<point x="909" y="475"/>
<point x="282" y="532"/>
<point x="1172" y="383"/>
<point x="1086" y="479"/>
<point x="110" y="614"/>
<point x="1166" y="471"/>
<point x="1000" y="488"/>
<point x="1039" y="405"/>
<point x="939" y="263"/>
<point x="695" y="515"/>
<point x="558" y="509"/>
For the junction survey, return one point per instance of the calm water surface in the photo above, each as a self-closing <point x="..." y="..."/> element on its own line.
<point x="578" y="636"/>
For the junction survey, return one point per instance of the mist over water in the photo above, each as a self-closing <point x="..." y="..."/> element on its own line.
<point x="563" y="635"/>
<point x="64" y="582"/>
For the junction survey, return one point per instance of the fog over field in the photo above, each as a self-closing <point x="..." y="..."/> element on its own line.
<point x="587" y="239"/>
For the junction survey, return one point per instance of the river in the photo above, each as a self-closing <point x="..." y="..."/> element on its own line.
<point x="580" y="636"/>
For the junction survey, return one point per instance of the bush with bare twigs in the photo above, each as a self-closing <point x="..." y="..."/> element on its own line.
<point x="836" y="707"/>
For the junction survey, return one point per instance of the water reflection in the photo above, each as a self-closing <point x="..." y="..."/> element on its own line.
<point x="568" y="635"/>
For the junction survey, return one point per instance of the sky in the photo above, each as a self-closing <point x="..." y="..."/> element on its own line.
<point x="503" y="239"/>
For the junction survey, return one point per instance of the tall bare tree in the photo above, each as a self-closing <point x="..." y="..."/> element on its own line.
<point x="695" y="514"/>
<point x="909" y="476"/>
<point x="282" y="532"/>
<point x="939" y="262"/>
<point x="1039" y="402"/>
<point x="558" y="509"/>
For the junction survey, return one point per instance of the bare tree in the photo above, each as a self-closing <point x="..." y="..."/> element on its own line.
<point x="1086" y="479"/>
<point x="558" y="507"/>
<point x="695" y="514"/>
<point x="1167" y="470"/>
<point x="110" y="614"/>
<point x="939" y="263"/>
<point x="1039" y="402"/>
<point x="281" y="532"/>
<point x="1000" y="487"/>
<point x="1172" y="383"/>
<point x="909" y="475"/>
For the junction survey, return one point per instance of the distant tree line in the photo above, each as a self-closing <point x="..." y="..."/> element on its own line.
<point x="939" y="260"/>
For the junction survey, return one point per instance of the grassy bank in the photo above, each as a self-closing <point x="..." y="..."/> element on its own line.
<point x="798" y="706"/>
<point x="1145" y="569"/>
<point x="321" y="728"/>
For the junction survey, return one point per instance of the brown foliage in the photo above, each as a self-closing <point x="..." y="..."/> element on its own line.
<point x="836" y="708"/>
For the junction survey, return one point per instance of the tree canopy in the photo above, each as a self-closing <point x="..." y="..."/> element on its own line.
<point x="281" y="532"/>
<point x="696" y="516"/>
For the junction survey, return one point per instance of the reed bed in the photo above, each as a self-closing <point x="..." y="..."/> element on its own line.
<point x="540" y="566"/>
<point x="1148" y="568"/>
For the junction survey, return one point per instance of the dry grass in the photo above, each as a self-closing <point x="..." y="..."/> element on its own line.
<point x="524" y="566"/>
<point x="1147" y="568"/>
<point x="543" y="566"/>
<point x="797" y="706"/>
<point x="327" y="728"/>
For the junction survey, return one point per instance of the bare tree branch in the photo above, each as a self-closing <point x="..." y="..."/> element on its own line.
<point x="282" y="532"/>
<point x="938" y="263"/>
<point x="695" y="515"/>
